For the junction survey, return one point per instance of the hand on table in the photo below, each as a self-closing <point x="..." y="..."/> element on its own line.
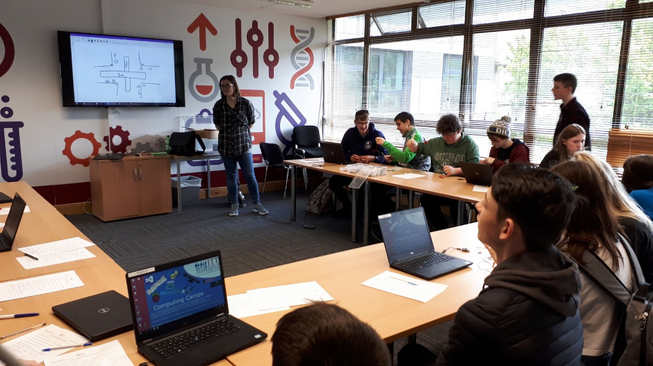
<point x="487" y="161"/>
<point x="388" y="158"/>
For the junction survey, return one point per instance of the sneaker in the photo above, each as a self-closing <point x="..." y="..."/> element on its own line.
<point x="234" y="210"/>
<point x="260" y="209"/>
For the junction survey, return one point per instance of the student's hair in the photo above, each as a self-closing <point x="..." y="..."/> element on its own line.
<point x="638" y="172"/>
<point x="403" y="116"/>
<point x="448" y="123"/>
<point x="362" y="114"/>
<point x="232" y="80"/>
<point x="539" y="201"/>
<point x="568" y="132"/>
<point x="593" y="223"/>
<point x="567" y="80"/>
<point x="620" y="201"/>
<point x="323" y="334"/>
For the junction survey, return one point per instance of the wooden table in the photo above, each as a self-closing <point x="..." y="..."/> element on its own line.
<point x="453" y="187"/>
<point x="341" y="275"/>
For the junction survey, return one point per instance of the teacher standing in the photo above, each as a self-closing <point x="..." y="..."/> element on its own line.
<point x="233" y="116"/>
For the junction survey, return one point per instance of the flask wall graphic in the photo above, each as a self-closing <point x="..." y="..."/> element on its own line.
<point x="203" y="85"/>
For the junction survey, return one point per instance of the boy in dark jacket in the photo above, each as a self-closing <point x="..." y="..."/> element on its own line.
<point x="527" y="313"/>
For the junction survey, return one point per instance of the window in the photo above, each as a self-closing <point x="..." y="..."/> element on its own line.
<point x="349" y="27"/>
<point x="566" y="7"/>
<point x="394" y="22"/>
<point x="436" y="15"/>
<point x="345" y="94"/>
<point x="492" y="11"/>
<point x="637" y="110"/>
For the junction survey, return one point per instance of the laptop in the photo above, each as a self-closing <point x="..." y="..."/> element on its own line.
<point x="480" y="174"/>
<point x="409" y="246"/>
<point x="333" y="153"/>
<point x="180" y="313"/>
<point x="97" y="317"/>
<point x="11" y="225"/>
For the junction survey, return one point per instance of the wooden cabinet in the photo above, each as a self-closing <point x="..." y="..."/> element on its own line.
<point x="131" y="187"/>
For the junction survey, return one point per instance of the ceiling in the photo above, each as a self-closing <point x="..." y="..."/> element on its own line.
<point x="320" y="9"/>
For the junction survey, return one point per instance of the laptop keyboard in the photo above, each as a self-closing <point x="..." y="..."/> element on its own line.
<point x="182" y="342"/>
<point x="427" y="260"/>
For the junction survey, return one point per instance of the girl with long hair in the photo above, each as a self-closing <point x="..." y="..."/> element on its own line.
<point x="570" y="141"/>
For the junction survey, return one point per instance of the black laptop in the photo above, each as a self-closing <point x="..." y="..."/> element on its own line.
<point x="11" y="225"/>
<point x="409" y="246"/>
<point x="333" y="153"/>
<point x="480" y="174"/>
<point x="180" y="314"/>
<point x="97" y="317"/>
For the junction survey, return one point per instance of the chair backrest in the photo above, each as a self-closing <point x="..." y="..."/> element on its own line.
<point x="272" y="154"/>
<point x="306" y="136"/>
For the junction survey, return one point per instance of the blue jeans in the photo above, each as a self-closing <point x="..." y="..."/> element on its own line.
<point x="231" y="168"/>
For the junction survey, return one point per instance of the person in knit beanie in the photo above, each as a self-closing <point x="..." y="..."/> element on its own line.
<point x="504" y="149"/>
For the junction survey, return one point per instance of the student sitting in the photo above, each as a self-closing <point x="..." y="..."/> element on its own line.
<point x="446" y="152"/>
<point x="406" y="126"/>
<point x="322" y="334"/>
<point x="594" y="228"/>
<point x="638" y="180"/>
<point x="636" y="225"/>
<point x="504" y="149"/>
<point x="571" y="140"/>
<point x="527" y="312"/>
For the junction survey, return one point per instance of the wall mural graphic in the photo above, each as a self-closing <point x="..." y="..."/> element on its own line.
<point x="301" y="57"/>
<point x="203" y="85"/>
<point x="124" y="140"/>
<point x="202" y="25"/>
<point x="289" y="111"/>
<point x="10" y="51"/>
<point x="255" y="38"/>
<point x="68" y="149"/>
<point x="11" y="159"/>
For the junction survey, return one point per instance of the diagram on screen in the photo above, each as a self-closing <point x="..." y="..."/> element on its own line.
<point x="128" y="77"/>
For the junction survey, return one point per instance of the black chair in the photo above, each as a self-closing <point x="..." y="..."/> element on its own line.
<point x="306" y="144"/>
<point x="273" y="157"/>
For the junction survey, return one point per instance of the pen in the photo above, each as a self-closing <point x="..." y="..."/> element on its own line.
<point x="72" y="346"/>
<point x="402" y="280"/>
<point x="25" y="315"/>
<point x="22" y="331"/>
<point x="31" y="256"/>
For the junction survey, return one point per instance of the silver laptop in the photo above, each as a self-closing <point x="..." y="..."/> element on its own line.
<point x="11" y="225"/>
<point x="409" y="246"/>
<point x="480" y="174"/>
<point x="333" y="153"/>
<point x="180" y="313"/>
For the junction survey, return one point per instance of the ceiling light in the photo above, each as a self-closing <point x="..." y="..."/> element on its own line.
<point x="299" y="3"/>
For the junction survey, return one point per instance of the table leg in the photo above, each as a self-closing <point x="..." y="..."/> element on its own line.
<point x="178" y="186"/>
<point x="366" y="214"/>
<point x="461" y="208"/>
<point x="354" y="199"/>
<point x="208" y="177"/>
<point x="397" y="198"/>
<point x="293" y="193"/>
<point x="411" y="199"/>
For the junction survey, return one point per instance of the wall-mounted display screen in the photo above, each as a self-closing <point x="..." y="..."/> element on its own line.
<point x="99" y="70"/>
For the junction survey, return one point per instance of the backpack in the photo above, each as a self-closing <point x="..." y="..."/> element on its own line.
<point x="634" y="344"/>
<point x="183" y="143"/>
<point x="319" y="201"/>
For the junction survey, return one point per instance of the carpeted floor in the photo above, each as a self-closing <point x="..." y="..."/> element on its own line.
<point x="248" y="242"/>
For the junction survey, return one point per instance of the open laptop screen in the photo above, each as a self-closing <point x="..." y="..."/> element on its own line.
<point x="168" y="297"/>
<point x="405" y="234"/>
<point x="13" y="220"/>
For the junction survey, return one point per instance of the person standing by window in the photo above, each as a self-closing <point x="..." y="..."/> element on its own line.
<point x="233" y="116"/>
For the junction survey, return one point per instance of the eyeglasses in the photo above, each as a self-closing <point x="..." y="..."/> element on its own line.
<point x="226" y="86"/>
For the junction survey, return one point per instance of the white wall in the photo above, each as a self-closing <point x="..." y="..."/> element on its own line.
<point x="33" y="86"/>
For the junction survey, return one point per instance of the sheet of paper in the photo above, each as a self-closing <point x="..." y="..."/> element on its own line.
<point x="478" y="188"/>
<point x="405" y="286"/>
<point x="56" y="247"/>
<point x="242" y="306"/>
<point x="5" y="210"/>
<point x="30" y="345"/>
<point x="109" y="354"/>
<point x="288" y="295"/>
<point x="409" y="176"/>
<point x="55" y="258"/>
<point x="33" y="286"/>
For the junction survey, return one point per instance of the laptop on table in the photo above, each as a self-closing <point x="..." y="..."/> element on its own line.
<point x="409" y="246"/>
<point x="480" y="174"/>
<point x="333" y="153"/>
<point x="180" y="313"/>
<point x="11" y="225"/>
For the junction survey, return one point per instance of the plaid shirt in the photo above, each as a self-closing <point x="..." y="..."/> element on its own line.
<point x="234" y="124"/>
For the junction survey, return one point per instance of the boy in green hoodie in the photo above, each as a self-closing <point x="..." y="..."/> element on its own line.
<point x="446" y="152"/>
<point x="406" y="126"/>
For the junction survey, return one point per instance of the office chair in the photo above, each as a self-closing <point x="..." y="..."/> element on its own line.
<point x="306" y="144"/>
<point x="273" y="157"/>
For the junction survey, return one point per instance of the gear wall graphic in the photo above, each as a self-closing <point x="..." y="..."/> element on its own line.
<point x="67" y="151"/>
<point x="124" y="140"/>
<point x="301" y="57"/>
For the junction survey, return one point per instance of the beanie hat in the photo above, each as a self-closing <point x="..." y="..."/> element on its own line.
<point x="500" y="127"/>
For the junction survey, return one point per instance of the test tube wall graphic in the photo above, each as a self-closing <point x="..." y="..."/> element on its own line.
<point x="203" y="86"/>
<point x="289" y="111"/>
<point x="12" y="160"/>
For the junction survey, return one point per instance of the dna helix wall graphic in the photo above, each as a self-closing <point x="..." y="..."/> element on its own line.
<point x="301" y="57"/>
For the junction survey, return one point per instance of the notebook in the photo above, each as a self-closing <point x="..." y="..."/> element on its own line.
<point x="97" y="317"/>
<point x="409" y="246"/>
<point x="333" y="153"/>
<point x="180" y="314"/>
<point x="11" y="225"/>
<point x="480" y="174"/>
